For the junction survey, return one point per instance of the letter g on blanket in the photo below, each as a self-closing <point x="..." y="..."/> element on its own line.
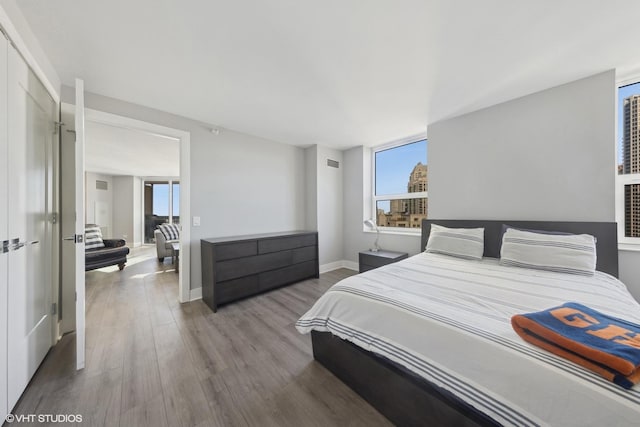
<point x="577" y="318"/>
<point x="604" y="344"/>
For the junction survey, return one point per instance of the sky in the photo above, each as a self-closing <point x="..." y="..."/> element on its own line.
<point x="623" y="93"/>
<point x="161" y="199"/>
<point x="393" y="167"/>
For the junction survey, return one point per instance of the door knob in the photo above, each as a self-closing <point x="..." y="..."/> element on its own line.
<point x="76" y="238"/>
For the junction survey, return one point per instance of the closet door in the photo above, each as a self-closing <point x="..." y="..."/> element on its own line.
<point x="31" y="131"/>
<point x="4" y="235"/>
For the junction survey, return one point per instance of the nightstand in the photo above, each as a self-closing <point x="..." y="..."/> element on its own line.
<point x="370" y="260"/>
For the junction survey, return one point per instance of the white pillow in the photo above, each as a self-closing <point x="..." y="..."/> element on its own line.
<point x="459" y="242"/>
<point x="170" y="231"/>
<point x="93" y="238"/>
<point x="573" y="253"/>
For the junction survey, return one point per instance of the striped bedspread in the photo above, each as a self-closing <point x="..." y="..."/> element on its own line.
<point x="448" y="320"/>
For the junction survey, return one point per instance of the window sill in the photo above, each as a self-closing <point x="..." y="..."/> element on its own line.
<point x="399" y="232"/>
<point x="629" y="247"/>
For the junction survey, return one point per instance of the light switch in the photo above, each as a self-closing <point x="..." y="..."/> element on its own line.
<point x="196" y="221"/>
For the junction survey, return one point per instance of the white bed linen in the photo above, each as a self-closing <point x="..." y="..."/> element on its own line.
<point x="448" y="320"/>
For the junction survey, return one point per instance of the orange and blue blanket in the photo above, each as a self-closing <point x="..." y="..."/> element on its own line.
<point x="604" y="344"/>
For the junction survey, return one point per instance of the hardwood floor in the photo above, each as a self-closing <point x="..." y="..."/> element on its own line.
<point x="154" y="362"/>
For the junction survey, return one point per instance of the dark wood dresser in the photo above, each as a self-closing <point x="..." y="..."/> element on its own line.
<point x="236" y="267"/>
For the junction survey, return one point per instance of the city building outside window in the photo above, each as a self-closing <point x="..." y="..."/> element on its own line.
<point x="628" y="179"/>
<point x="400" y="185"/>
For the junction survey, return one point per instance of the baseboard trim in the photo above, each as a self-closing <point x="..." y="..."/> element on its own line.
<point x="195" y="294"/>
<point x="351" y="265"/>
<point x="324" y="268"/>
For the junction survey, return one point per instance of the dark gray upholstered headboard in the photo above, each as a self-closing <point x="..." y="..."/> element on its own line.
<point x="606" y="234"/>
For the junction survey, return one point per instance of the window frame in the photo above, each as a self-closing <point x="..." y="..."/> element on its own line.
<point x="373" y="214"/>
<point x="624" y="243"/>
<point x="162" y="180"/>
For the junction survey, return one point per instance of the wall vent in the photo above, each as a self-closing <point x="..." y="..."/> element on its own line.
<point x="333" y="163"/>
<point x="102" y="185"/>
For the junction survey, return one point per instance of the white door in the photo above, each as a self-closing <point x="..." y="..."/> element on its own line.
<point x="30" y="136"/>
<point x="67" y="218"/>
<point x="79" y="224"/>
<point x="72" y="222"/>
<point x="4" y="235"/>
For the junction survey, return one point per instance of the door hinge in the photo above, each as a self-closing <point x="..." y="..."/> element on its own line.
<point x="54" y="218"/>
<point x="57" y="126"/>
<point x="54" y="308"/>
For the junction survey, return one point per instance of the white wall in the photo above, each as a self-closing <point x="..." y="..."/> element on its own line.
<point x="240" y="184"/>
<point x="546" y="156"/>
<point x="127" y="209"/>
<point x="138" y="216"/>
<point x="629" y="263"/>
<point x="311" y="187"/>
<point x="97" y="199"/>
<point x="329" y="207"/>
<point x="323" y="203"/>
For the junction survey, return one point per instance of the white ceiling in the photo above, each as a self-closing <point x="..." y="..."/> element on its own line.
<point x="112" y="150"/>
<point x="336" y="72"/>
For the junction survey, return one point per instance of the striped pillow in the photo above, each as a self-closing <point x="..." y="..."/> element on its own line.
<point x="573" y="253"/>
<point x="459" y="242"/>
<point x="93" y="238"/>
<point x="170" y="231"/>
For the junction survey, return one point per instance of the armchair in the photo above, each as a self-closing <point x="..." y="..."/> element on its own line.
<point x="163" y="246"/>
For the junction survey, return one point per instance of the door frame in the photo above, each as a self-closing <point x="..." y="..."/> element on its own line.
<point x="184" y="137"/>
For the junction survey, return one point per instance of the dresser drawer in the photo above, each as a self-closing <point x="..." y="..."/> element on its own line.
<point x="304" y="254"/>
<point x="234" y="268"/>
<point x="234" y="289"/>
<point x="283" y="276"/>
<point x="233" y="250"/>
<point x="284" y="243"/>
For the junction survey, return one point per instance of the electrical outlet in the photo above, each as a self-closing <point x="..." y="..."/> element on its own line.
<point x="124" y="236"/>
<point x="196" y="221"/>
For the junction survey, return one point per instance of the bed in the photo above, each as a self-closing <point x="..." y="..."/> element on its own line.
<point x="457" y="361"/>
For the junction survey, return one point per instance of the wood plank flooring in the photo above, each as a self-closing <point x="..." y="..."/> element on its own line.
<point x="154" y="362"/>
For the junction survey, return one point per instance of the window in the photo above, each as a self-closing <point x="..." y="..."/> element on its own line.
<point x="160" y="199"/>
<point x="628" y="179"/>
<point x="161" y="205"/>
<point x="400" y="185"/>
